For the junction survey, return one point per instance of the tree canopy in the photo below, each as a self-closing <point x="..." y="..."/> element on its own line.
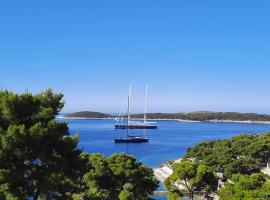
<point x="37" y="156"/>
<point x="244" y="187"/>
<point x="118" y="176"/>
<point x="240" y="158"/>
<point x="193" y="116"/>
<point x="244" y="154"/>
<point x="40" y="160"/>
<point x="207" y="116"/>
<point x="189" y="179"/>
<point x="88" y="114"/>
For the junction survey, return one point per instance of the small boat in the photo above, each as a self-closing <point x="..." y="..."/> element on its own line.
<point x="135" y="124"/>
<point x="132" y="139"/>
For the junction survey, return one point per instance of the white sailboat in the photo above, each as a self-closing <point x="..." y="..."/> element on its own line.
<point x="136" y="124"/>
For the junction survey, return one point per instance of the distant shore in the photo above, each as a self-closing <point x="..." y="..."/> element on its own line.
<point x="113" y="118"/>
<point x="87" y="118"/>
<point x="180" y="120"/>
<point x="239" y="122"/>
<point x="192" y="117"/>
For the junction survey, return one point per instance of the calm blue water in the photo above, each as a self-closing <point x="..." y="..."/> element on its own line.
<point x="168" y="142"/>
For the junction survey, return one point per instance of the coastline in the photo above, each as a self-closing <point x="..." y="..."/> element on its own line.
<point x="86" y="118"/>
<point x="113" y="118"/>
<point x="239" y="122"/>
<point x="164" y="170"/>
<point x="180" y="120"/>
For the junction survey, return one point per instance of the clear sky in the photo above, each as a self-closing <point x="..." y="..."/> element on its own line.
<point x="195" y="55"/>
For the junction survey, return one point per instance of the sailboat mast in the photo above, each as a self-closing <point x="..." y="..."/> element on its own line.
<point x="145" y="103"/>
<point x="129" y="99"/>
<point x="128" y="114"/>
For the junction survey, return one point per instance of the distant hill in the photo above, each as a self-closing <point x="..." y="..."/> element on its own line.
<point x="193" y="116"/>
<point x="88" y="114"/>
<point x="207" y="116"/>
<point x="160" y="115"/>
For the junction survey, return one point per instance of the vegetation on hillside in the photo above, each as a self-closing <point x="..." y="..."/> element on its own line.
<point x="119" y="176"/>
<point x="193" y="116"/>
<point x="254" y="187"/>
<point x="88" y="114"/>
<point x="240" y="160"/>
<point x="39" y="159"/>
<point x="206" y="116"/>
<point x="243" y="154"/>
<point x="193" y="178"/>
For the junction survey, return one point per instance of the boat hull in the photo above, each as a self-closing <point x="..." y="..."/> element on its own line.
<point x="124" y="126"/>
<point x="131" y="140"/>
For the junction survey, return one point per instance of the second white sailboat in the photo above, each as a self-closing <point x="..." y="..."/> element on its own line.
<point x="136" y="124"/>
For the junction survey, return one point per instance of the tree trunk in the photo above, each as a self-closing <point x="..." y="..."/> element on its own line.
<point x="192" y="196"/>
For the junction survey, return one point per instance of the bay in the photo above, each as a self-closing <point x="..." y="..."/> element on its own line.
<point x="169" y="141"/>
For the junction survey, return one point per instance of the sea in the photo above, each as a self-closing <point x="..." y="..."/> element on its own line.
<point x="170" y="141"/>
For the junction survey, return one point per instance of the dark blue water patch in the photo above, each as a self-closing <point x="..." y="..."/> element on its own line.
<point x="159" y="197"/>
<point x="169" y="141"/>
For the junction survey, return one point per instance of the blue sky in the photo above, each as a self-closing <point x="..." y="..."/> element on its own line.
<point x="195" y="55"/>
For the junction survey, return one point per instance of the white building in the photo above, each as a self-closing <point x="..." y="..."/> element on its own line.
<point x="266" y="170"/>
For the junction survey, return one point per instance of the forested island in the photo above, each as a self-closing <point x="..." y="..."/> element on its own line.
<point x="88" y="114"/>
<point x="208" y="116"/>
<point x="202" y="116"/>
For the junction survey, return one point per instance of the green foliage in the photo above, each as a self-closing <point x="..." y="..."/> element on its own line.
<point x="40" y="160"/>
<point x="98" y="178"/>
<point x="244" y="154"/>
<point x="173" y="192"/>
<point x="233" y="116"/>
<point x="193" y="179"/>
<point x="206" y="116"/>
<point x="174" y="195"/>
<point x="37" y="155"/>
<point x="195" y="116"/>
<point x="245" y="187"/>
<point x="119" y="176"/>
<point x="126" y="193"/>
<point x="89" y="114"/>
